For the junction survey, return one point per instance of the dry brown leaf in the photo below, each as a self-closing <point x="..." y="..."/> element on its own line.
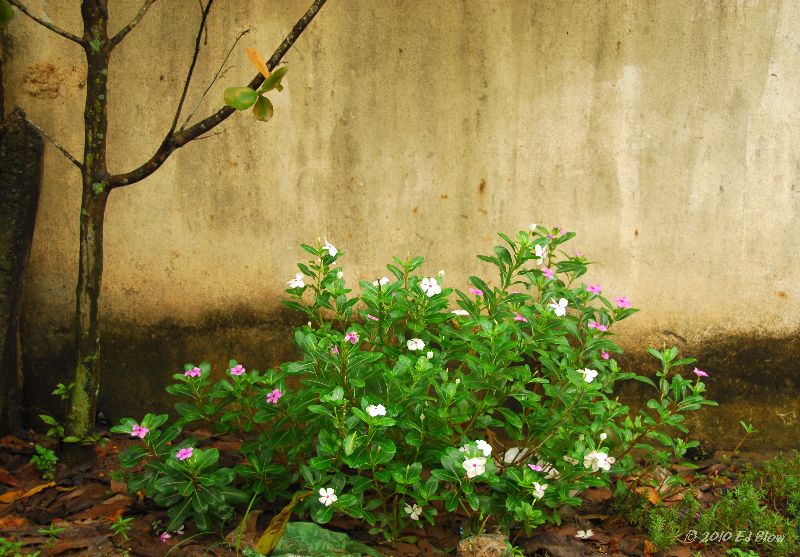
<point x="12" y="522"/>
<point x="269" y="540"/>
<point x="649" y="492"/>
<point x="17" y="494"/>
<point x="649" y="548"/>
<point x="258" y="61"/>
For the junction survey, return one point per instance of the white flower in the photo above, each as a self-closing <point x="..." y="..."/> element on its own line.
<point x="332" y="251"/>
<point x="297" y="281"/>
<point x="458" y="381"/>
<point x="461" y="312"/>
<point x="340" y="275"/>
<point x="583" y="534"/>
<point x="414" y="511"/>
<point x="597" y="460"/>
<point x="560" y="308"/>
<point x="415" y="344"/>
<point x="588" y="374"/>
<point x="603" y="436"/>
<point x="327" y="496"/>
<point x="541" y="253"/>
<point x="440" y="273"/>
<point x="429" y="355"/>
<point x="474" y="466"/>
<point x="382" y="282"/>
<point x="538" y="490"/>
<point x="430" y="286"/>
<point x="513" y="454"/>
<point x="533" y="227"/>
<point x="484" y="447"/>
<point x="378" y="410"/>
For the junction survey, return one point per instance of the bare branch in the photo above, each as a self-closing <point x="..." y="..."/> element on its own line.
<point x="191" y="67"/>
<point x="176" y="140"/>
<point x="215" y="78"/>
<point x="134" y="22"/>
<point x="55" y="29"/>
<point x="56" y="144"/>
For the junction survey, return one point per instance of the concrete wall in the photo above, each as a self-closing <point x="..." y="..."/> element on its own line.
<point x="665" y="133"/>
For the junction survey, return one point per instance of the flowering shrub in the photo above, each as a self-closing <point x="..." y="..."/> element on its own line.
<point x="414" y="399"/>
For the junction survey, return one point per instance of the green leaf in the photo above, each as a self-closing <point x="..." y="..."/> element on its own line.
<point x="274" y="80"/>
<point x="50" y="420"/>
<point x="263" y="109"/>
<point x="6" y="13"/>
<point x="240" y="98"/>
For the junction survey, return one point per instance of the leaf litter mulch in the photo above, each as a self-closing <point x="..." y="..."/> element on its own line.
<point x="73" y="514"/>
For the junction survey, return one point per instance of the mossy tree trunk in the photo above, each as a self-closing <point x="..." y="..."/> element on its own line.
<point x="97" y="185"/>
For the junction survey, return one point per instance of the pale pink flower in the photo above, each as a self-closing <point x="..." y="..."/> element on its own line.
<point x="597" y="460"/>
<point x="237" y="370"/>
<point x="372" y="317"/>
<point x="547" y="272"/>
<point x="274" y="396"/>
<point x="518" y="317"/>
<point x="327" y="496"/>
<point x="351" y="337"/>
<point x="594" y="288"/>
<point x="535" y="467"/>
<point x="297" y="281"/>
<point x="599" y="326"/>
<point x="183" y="454"/>
<point x="430" y="286"/>
<point x="139" y="431"/>
<point x="622" y="302"/>
<point x="474" y="466"/>
<point x="476" y="291"/>
<point x="164" y="537"/>
<point x="538" y="490"/>
<point x="699" y="372"/>
<point x="194" y="372"/>
<point x="335" y="350"/>
<point x="605" y="355"/>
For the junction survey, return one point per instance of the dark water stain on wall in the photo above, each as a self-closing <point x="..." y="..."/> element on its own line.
<point x="753" y="378"/>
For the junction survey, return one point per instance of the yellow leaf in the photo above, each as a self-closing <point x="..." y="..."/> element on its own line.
<point x="17" y="494"/>
<point x="258" y="62"/>
<point x="269" y="540"/>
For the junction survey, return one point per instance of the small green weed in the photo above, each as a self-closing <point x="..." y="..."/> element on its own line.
<point x="121" y="527"/>
<point x="14" y="549"/>
<point x="45" y="461"/>
<point x="780" y="480"/>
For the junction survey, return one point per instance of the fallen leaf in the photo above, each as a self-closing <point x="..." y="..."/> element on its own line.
<point x="649" y="492"/>
<point x="17" y="494"/>
<point x="649" y="548"/>
<point x="12" y="522"/>
<point x="6" y="478"/>
<point x="269" y="540"/>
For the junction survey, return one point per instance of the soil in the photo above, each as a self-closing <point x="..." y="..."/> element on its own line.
<point x="81" y="504"/>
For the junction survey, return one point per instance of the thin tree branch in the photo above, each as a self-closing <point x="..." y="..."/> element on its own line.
<point x="133" y="23"/>
<point x="176" y="140"/>
<point x="56" y="144"/>
<point x="215" y="78"/>
<point x="55" y="29"/>
<point x="197" y="44"/>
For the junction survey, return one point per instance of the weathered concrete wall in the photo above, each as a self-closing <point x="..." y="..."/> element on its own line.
<point x="664" y="133"/>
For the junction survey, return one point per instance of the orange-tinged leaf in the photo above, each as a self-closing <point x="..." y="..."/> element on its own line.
<point x="258" y="61"/>
<point x="651" y="494"/>
<point x="17" y="494"/>
<point x="269" y="540"/>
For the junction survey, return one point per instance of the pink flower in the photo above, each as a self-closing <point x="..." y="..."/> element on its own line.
<point x="547" y="272"/>
<point x="622" y="302"/>
<point x="335" y="350"/>
<point x="535" y="467"/>
<point x="594" y="288"/>
<point x="351" y="337"/>
<point x="372" y="317"/>
<point x="274" y="396"/>
<point x="551" y="236"/>
<point x="605" y="355"/>
<point x="183" y="454"/>
<point x="476" y="291"/>
<point x="518" y="317"/>
<point x="700" y="372"/>
<point x="164" y="537"/>
<point x="139" y="431"/>
<point x="194" y="372"/>
<point x="595" y="325"/>
<point x="237" y="370"/>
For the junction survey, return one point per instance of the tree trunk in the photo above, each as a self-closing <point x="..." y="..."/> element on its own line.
<point x="83" y="403"/>
<point x="21" y="152"/>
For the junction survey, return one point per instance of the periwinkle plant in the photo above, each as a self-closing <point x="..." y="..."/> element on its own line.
<point x="414" y="399"/>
